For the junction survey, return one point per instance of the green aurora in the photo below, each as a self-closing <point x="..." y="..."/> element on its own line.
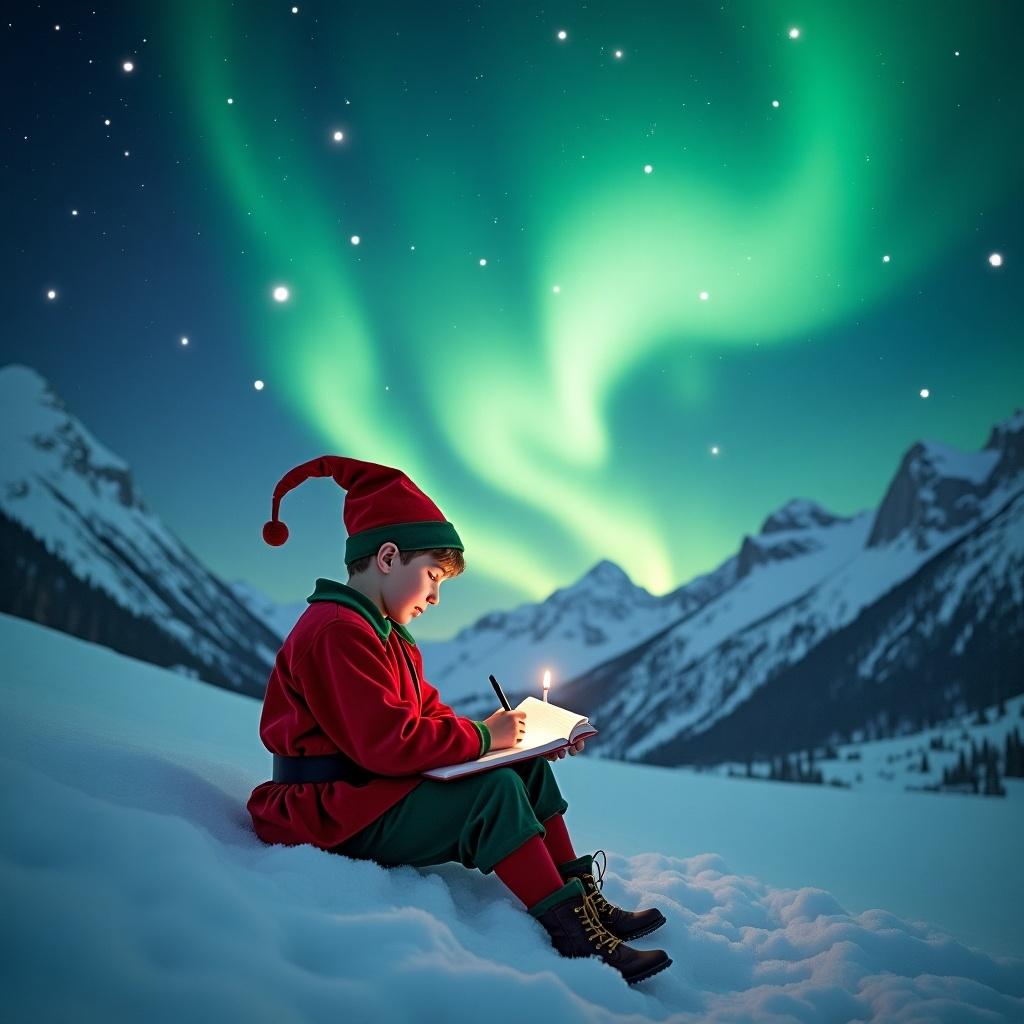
<point x="555" y="428"/>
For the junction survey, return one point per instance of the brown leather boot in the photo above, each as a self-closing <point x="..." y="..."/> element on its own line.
<point x="576" y="931"/>
<point x="623" y="924"/>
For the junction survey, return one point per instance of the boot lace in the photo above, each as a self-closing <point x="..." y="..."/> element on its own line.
<point x="596" y="931"/>
<point x="597" y="896"/>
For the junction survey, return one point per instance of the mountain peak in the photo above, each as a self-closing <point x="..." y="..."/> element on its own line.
<point x="607" y="571"/>
<point x="23" y="389"/>
<point x="1007" y="438"/>
<point x="799" y="514"/>
<point x="938" y="488"/>
<point x="41" y="439"/>
<point x="1013" y="424"/>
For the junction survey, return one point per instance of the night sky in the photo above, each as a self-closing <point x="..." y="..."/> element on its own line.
<point x="617" y="295"/>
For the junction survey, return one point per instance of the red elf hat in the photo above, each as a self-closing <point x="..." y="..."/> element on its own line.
<point x="381" y="504"/>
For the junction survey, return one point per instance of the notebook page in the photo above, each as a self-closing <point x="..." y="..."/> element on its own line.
<point x="546" y="721"/>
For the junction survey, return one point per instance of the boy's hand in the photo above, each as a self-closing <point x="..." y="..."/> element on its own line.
<point x="573" y="748"/>
<point x="507" y="728"/>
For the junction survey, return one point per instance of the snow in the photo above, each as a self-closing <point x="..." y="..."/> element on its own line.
<point x="975" y="467"/>
<point x="134" y="888"/>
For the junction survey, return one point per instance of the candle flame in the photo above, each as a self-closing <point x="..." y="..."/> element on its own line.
<point x="547" y="679"/>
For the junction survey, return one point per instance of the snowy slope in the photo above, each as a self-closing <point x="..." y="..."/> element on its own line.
<point x="885" y="766"/>
<point x="93" y="559"/>
<point x="136" y="889"/>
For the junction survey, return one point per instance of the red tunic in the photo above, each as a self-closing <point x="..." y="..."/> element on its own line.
<point x="341" y="682"/>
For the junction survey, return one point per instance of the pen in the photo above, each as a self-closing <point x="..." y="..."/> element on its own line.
<point x="501" y="696"/>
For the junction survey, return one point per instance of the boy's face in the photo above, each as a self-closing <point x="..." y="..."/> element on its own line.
<point x="407" y="591"/>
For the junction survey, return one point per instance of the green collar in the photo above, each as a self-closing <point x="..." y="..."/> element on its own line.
<point x="343" y="594"/>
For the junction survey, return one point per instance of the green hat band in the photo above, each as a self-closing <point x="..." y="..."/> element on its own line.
<point x="408" y="537"/>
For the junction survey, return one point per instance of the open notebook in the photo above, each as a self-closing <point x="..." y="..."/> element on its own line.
<point x="548" y="728"/>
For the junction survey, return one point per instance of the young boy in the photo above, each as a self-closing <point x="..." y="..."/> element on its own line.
<point x="351" y="722"/>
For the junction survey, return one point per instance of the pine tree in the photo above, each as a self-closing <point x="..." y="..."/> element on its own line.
<point x="1012" y="758"/>
<point x="993" y="787"/>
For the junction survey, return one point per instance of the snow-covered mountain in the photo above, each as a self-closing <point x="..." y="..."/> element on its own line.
<point x="876" y="624"/>
<point x="577" y="627"/>
<point x="83" y="553"/>
<point x="604" y="618"/>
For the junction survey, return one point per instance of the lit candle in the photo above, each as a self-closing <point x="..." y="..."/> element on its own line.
<point x="547" y="683"/>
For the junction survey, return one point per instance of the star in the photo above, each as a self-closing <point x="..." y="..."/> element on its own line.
<point x="885" y="259"/>
<point x="648" y="168"/>
<point x="128" y="66"/>
<point x="258" y="385"/>
<point x="703" y="296"/>
<point x="230" y="101"/>
<point x="354" y="239"/>
<point x="483" y="263"/>
<point x="925" y="392"/>
<point x="562" y="34"/>
<point x="184" y="341"/>
<point x="556" y="289"/>
<point x="618" y="55"/>
<point x="51" y="294"/>
<point x="714" y="449"/>
<point x="338" y="136"/>
<point x="74" y="213"/>
<point x="794" y="33"/>
<point x="775" y="103"/>
<point x="281" y="293"/>
<point x="996" y="260"/>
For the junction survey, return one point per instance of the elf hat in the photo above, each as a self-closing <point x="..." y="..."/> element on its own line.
<point x="381" y="504"/>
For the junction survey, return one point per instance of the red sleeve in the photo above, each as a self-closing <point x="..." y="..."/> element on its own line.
<point x="432" y="703"/>
<point x="353" y="692"/>
<point x="434" y="707"/>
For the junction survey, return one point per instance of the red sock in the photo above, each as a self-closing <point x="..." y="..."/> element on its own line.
<point x="530" y="872"/>
<point x="557" y="840"/>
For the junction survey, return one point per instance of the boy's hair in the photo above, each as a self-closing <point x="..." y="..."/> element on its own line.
<point x="450" y="559"/>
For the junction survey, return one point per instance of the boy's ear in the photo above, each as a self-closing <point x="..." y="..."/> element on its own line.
<point x="391" y="554"/>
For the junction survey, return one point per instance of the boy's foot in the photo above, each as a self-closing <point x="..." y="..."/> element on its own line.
<point x="575" y="930"/>
<point x="623" y="924"/>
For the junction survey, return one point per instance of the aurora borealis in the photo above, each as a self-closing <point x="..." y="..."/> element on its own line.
<point x="574" y="397"/>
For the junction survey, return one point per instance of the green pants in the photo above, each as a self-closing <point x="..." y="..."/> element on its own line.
<point x="477" y="820"/>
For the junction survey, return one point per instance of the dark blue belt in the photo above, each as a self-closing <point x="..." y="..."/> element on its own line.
<point x="320" y="768"/>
